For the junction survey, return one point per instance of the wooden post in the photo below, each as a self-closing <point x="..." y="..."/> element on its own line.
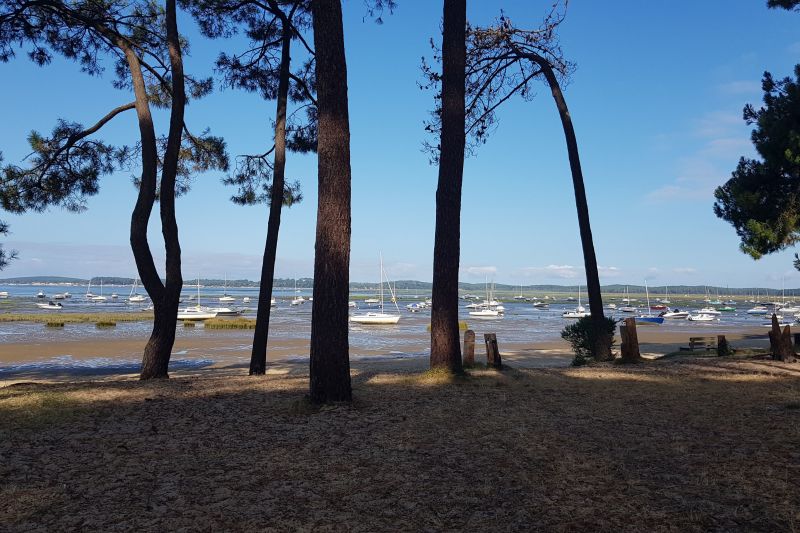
<point x="629" y="347"/>
<point x="492" y="351"/>
<point x="469" y="348"/>
<point x="781" y="343"/>
<point x="723" y="348"/>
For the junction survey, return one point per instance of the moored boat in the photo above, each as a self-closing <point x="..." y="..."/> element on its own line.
<point x="51" y="306"/>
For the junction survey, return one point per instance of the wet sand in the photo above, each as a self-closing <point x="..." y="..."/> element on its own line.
<point x="230" y="352"/>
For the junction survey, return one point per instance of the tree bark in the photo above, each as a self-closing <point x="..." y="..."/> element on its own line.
<point x="445" y="348"/>
<point x="157" y="352"/>
<point x="258" y="357"/>
<point x="469" y="348"/>
<point x="629" y="345"/>
<point x="781" y="343"/>
<point x="330" y="361"/>
<point x="158" y="348"/>
<point x="602" y="348"/>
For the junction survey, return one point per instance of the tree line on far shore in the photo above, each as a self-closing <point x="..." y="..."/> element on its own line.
<point x="472" y="73"/>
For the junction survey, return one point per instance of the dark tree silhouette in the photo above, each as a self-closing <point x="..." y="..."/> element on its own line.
<point x="6" y="256"/>
<point x="445" y="337"/>
<point x="265" y="68"/>
<point x="503" y="61"/>
<point x="785" y="4"/>
<point x="762" y="198"/>
<point x="142" y="39"/>
<point x="535" y="53"/>
<point x="330" y="363"/>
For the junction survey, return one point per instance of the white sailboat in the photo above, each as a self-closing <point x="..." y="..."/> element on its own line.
<point x="297" y="300"/>
<point x="96" y="297"/>
<point x="627" y="308"/>
<point x="196" y="312"/>
<point x="490" y="309"/>
<point x="578" y="312"/>
<point x="135" y="297"/>
<point x="381" y="318"/>
<point x="225" y="297"/>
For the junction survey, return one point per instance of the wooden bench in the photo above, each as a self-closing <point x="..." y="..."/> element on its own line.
<point x="696" y="343"/>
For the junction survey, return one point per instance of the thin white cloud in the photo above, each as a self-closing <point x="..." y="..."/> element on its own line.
<point x="479" y="270"/>
<point x="684" y="270"/>
<point x="726" y="148"/>
<point x="714" y="124"/>
<point x="697" y="179"/>
<point x="740" y="87"/>
<point x="609" y="272"/>
<point x="554" y="271"/>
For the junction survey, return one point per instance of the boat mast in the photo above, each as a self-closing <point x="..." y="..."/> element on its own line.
<point x="380" y="279"/>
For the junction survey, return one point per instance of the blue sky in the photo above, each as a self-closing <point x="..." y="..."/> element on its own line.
<point x="656" y="101"/>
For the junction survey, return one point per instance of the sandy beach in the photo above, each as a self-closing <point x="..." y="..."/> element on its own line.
<point x="686" y="444"/>
<point x="230" y="352"/>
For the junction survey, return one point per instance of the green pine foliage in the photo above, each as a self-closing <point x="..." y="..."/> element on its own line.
<point x="580" y="335"/>
<point x="762" y="198"/>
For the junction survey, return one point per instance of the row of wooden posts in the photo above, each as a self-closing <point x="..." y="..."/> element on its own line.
<point x="492" y="351"/>
<point x="780" y="341"/>
<point x="781" y="346"/>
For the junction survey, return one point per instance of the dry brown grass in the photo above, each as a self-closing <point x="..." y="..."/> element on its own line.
<point x="685" y="445"/>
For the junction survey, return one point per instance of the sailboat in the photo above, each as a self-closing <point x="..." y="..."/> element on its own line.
<point x="381" y="318"/>
<point x="627" y="308"/>
<point x="297" y="300"/>
<point x="649" y="319"/>
<point x="520" y="296"/>
<point x="196" y="312"/>
<point x="225" y="297"/>
<point x="665" y="299"/>
<point x="489" y="309"/>
<point x="96" y="297"/>
<point x="578" y="312"/>
<point x="135" y="297"/>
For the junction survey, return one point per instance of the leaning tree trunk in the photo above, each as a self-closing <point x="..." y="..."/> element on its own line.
<point x="258" y="357"/>
<point x="602" y="348"/>
<point x="157" y="350"/>
<point x="445" y="345"/>
<point x="166" y="297"/>
<point x="330" y="361"/>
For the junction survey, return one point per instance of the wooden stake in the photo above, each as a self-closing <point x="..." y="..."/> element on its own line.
<point x="492" y="351"/>
<point x="469" y="347"/>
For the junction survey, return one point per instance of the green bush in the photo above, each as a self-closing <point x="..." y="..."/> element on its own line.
<point x="581" y="336"/>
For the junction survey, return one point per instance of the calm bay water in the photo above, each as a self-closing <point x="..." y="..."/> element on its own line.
<point x="522" y="324"/>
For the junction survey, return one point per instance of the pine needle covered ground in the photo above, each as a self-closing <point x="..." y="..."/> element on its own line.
<point x="683" y="445"/>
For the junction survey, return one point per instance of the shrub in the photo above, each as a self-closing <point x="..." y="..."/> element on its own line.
<point x="581" y="336"/>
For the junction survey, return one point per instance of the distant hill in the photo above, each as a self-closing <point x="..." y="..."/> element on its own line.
<point x="26" y="280"/>
<point x="422" y="286"/>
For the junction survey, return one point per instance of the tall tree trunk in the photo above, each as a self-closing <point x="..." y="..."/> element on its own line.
<point x="157" y="352"/>
<point x="258" y="357"/>
<point x="445" y="345"/>
<point x="330" y="361"/>
<point x="602" y="348"/>
<point x="153" y="360"/>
